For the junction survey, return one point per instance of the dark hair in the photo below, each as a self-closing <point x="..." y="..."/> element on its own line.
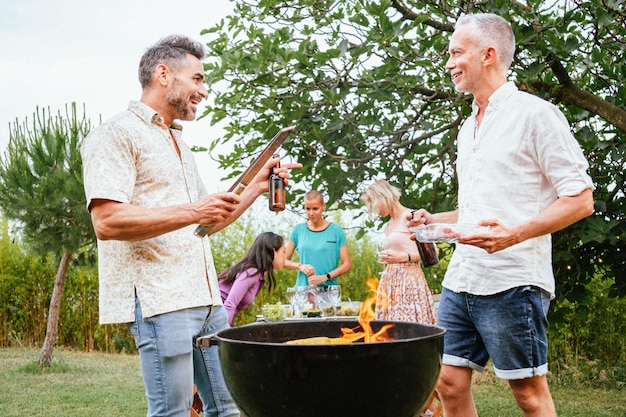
<point x="170" y="50"/>
<point x="259" y="256"/>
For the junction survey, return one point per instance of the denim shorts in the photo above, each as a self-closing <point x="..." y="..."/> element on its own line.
<point x="508" y="327"/>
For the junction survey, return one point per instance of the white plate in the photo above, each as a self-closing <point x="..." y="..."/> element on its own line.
<point x="446" y="232"/>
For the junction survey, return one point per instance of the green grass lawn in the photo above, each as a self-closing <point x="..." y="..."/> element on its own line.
<point x="77" y="384"/>
<point x="494" y="398"/>
<point x="96" y="384"/>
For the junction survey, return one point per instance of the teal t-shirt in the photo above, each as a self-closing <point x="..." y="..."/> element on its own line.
<point x="319" y="249"/>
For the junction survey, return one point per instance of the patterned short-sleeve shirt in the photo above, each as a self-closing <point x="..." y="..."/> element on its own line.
<point x="131" y="159"/>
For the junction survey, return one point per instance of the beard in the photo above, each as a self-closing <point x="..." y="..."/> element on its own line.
<point x="177" y="100"/>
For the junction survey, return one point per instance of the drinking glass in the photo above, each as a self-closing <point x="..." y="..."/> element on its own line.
<point x="334" y="296"/>
<point x="300" y="297"/>
<point x="291" y="297"/>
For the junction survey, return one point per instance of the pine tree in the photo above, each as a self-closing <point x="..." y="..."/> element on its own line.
<point x="41" y="188"/>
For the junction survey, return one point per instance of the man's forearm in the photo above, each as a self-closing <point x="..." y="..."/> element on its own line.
<point x="560" y="214"/>
<point x="119" y="221"/>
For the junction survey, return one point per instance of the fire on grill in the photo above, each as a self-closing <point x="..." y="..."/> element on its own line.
<point x="363" y="332"/>
<point x="268" y="377"/>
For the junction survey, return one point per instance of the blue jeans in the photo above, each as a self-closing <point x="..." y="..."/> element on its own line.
<point x="171" y="363"/>
<point x="508" y="327"/>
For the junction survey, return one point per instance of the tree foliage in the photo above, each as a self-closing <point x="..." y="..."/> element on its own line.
<point x="41" y="189"/>
<point x="596" y="329"/>
<point x="26" y="281"/>
<point x="41" y="185"/>
<point x="364" y="82"/>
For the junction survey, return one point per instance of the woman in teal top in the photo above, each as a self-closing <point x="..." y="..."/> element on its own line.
<point x="321" y="246"/>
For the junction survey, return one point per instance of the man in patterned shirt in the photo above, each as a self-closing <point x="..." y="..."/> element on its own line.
<point x="146" y="198"/>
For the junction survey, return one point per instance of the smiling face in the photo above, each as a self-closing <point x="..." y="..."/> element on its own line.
<point x="187" y="89"/>
<point x="465" y="64"/>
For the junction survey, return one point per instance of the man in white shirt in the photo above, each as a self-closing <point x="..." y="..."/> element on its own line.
<point x="522" y="173"/>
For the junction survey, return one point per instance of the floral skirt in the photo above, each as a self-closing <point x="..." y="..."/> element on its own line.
<point x="403" y="295"/>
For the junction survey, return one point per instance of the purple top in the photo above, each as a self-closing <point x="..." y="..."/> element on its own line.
<point x="240" y="293"/>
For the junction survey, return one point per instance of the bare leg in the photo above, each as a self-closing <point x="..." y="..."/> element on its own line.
<point x="454" y="388"/>
<point x="533" y="396"/>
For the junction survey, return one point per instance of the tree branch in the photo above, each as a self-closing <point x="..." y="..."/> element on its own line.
<point x="408" y="14"/>
<point x="566" y="92"/>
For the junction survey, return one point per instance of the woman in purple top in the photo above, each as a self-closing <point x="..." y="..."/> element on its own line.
<point x="240" y="284"/>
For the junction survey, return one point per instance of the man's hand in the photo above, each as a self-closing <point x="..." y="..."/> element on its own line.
<point x="236" y="207"/>
<point x="216" y="208"/>
<point x="498" y="237"/>
<point x="260" y="181"/>
<point x="419" y="218"/>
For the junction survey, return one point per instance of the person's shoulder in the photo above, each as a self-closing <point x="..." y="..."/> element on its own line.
<point x="300" y="227"/>
<point x="105" y="132"/>
<point x="250" y="273"/>
<point x="531" y="98"/>
<point x="529" y="108"/>
<point x="531" y="102"/>
<point x="335" y="227"/>
<point x="112" y="125"/>
<point x="543" y="112"/>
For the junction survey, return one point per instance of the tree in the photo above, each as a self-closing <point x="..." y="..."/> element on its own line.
<point x="41" y="188"/>
<point x="364" y="82"/>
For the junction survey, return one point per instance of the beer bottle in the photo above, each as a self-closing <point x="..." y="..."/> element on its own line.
<point x="428" y="253"/>
<point x="277" y="198"/>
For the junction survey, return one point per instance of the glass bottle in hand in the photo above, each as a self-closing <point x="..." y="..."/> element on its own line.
<point x="277" y="198"/>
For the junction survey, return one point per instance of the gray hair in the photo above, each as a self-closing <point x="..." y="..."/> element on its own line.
<point x="171" y="51"/>
<point x="492" y="30"/>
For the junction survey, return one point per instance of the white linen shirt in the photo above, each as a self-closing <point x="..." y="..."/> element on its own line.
<point x="518" y="162"/>
<point x="131" y="159"/>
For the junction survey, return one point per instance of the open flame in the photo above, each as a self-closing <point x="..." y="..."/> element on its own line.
<point x="366" y="315"/>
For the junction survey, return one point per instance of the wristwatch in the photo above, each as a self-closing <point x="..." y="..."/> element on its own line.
<point x="328" y="278"/>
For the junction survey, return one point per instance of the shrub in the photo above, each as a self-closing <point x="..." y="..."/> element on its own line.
<point x="587" y="342"/>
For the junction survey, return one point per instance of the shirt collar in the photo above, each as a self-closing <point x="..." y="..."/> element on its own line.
<point x="149" y="115"/>
<point x="498" y="97"/>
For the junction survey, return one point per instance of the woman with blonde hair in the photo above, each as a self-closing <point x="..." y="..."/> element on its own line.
<point x="403" y="292"/>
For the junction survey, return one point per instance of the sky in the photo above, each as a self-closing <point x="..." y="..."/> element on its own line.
<point x="55" y="52"/>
